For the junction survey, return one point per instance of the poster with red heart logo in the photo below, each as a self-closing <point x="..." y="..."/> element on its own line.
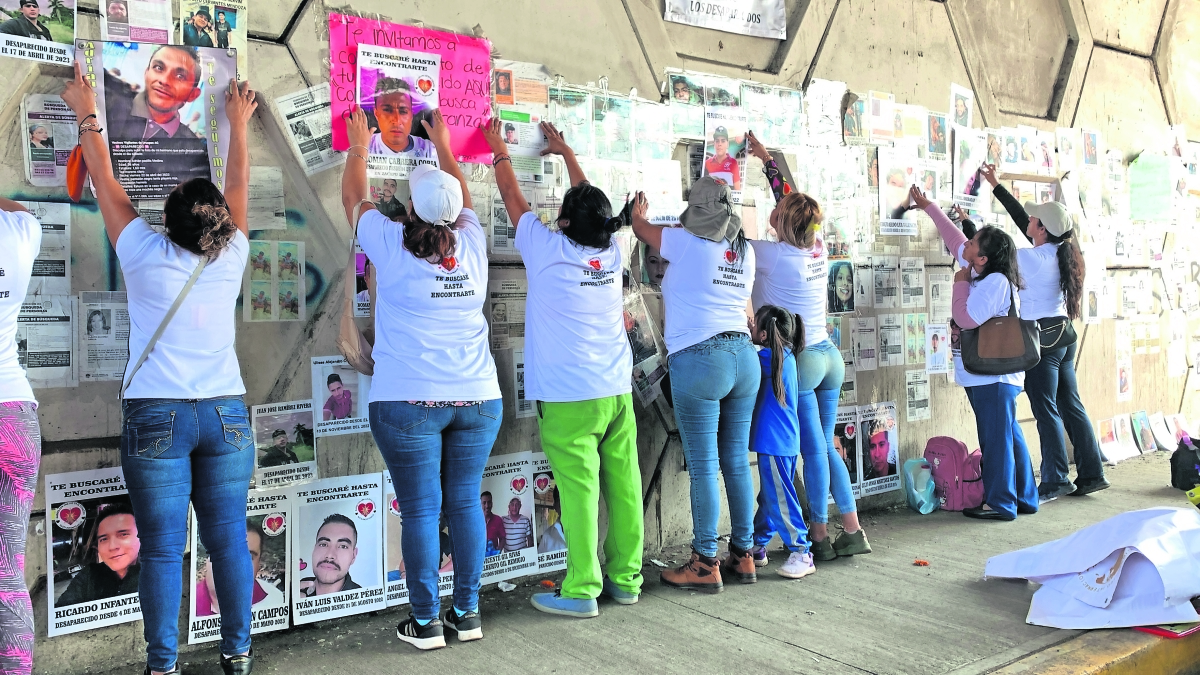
<point x="338" y="548"/>
<point x="268" y="517"/>
<point x="845" y="440"/>
<point x="393" y="562"/>
<point x="81" y="508"/>
<point x="398" y="90"/>
<point x="508" y="512"/>
<point x="547" y="516"/>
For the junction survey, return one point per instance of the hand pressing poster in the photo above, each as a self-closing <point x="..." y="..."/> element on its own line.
<point x="285" y="450"/>
<point x="162" y="109"/>
<point x="38" y="30"/>
<point x="51" y="130"/>
<point x="337" y="548"/>
<point x="521" y="129"/>
<point x="393" y="527"/>
<point x="268" y="515"/>
<point x="275" y="287"/>
<point x="547" y="508"/>
<point x="340" y="395"/>
<point x="881" y="447"/>
<point x="92" y="550"/>
<point x="511" y="548"/>
<point x="398" y="90"/>
<point x="222" y="24"/>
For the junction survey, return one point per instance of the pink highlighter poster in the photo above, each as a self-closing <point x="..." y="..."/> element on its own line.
<point x="464" y="86"/>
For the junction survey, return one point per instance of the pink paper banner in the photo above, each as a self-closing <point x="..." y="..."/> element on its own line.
<point x="464" y="89"/>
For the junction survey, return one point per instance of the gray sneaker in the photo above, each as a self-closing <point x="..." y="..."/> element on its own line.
<point x="1052" y="492"/>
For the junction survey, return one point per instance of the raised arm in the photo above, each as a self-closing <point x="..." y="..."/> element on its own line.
<point x="643" y="229"/>
<point x="953" y="239"/>
<point x="115" y="206"/>
<point x="506" y="178"/>
<point x="557" y="145"/>
<point x="439" y="134"/>
<point x="779" y="184"/>
<point x="1014" y="208"/>
<point x="239" y="107"/>
<point x="354" y="176"/>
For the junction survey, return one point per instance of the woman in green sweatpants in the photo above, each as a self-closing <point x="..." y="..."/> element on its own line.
<point x="579" y="367"/>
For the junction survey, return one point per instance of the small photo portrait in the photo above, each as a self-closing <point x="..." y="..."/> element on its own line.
<point x="262" y="301"/>
<point x="288" y="261"/>
<point x="1108" y="434"/>
<point x="654" y="266"/>
<point x="502" y="83"/>
<point x="847" y="448"/>
<point x="338" y="387"/>
<point x="345" y="549"/>
<point x="99" y="323"/>
<point x="684" y="90"/>
<point x="1090" y="152"/>
<point x="962" y="110"/>
<point x="96" y="551"/>
<point x="301" y="131"/>
<point x="937" y="134"/>
<point x="881" y="449"/>
<point x="118" y="11"/>
<point x="873" y="166"/>
<point x="852" y="119"/>
<point x="284" y="438"/>
<point x="41" y="136"/>
<point x="260" y="261"/>
<point x="840" y="287"/>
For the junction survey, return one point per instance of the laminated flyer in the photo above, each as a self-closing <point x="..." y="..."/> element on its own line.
<point x="393" y="526"/>
<point x="306" y="118"/>
<point x="160" y="136"/>
<point x="937" y="349"/>
<point x="866" y="345"/>
<point x="275" y="288"/>
<point x="34" y="33"/>
<point x="914" y="339"/>
<point x="846" y="442"/>
<point x="92" y="549"/>
<point x="398" y="90"/>
<point x="547" y="507"/>
<point x="612" y="125"/>
<point x="649" y="355"/>
<point x="46" y="336"/>
<point x="524" y="407"/>
<point x="340" y="395"/>
<point x="506" y="311"/>
<point x="52" y="268"/>
<point x="223" y="26"/>
<point x="337" y="548"/>
<point x="880" y="431"/>
<point x="521" y="129"/>
<point x="285" y="449"/>
<point x="507" y="488"/>
<point x="916" y="386"/>
<point x="268" y="515"/>
<point x="137" y="21"/>
<point x="104" y="345"/>
<point x="51" y="135"/>
<point x="571" y="113"/>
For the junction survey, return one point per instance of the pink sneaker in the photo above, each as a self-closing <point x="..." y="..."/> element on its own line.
<point x="798" y="566"/>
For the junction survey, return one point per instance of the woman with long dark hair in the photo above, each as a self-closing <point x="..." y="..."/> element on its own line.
<point x="185" y="434"/>
<point x="1053" y="272"/>
<point x="984" y="288"/>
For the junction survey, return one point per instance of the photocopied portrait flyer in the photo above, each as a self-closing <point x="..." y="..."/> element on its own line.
<point x="340" y="396"/>
<point x="285" y="449"/>
<point x="507" y="497"/>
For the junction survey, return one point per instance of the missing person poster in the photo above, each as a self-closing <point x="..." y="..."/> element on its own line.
<point x="508" y="505"/>
<point x="571" y="112"/>
<point x="275" y="288"/>
<point x="46" y="338"/>
<point x="547" y="509"/>
<point x="521" y="129"/>
<point x="337" y="548"/>
<point x="687" y="104"/>
<point x="866" y="344"/>
<point x="612" y="126"/>
<point x="221" y="24"/>
<point x="393" y="527"/>
<point x="725" y="146"/>
<point x="912" y="283"/>
<point x="880" y="431"/>
<point x="162" y="109"/>
<point x="969" y="149"/>
<point x="398" y="89"/>
<point x="897" y="171"/>
<point x="92" y="549"/>
<point x="341" y="393"/>
<point x="916" y="385"/>
<point x="137" y="21"/>
<point x="52" y="268"/>
<point x="506" y="310"/>
<point x="104" y="344"/>
<point x="268" y="515"/>
<point x="914" y="339"/>
<point x="846" y="441"/>
<point x="937" y="349"/>
<point x="524" y="406"/>
<point x="267" y="210"/>
<point x="285" y="450"/>
<point x="51" y="134"/>
<point x="649" y="356"/>
<point x="886" y="278"/>
<point x="38" y="30"/>
<point x="306" y="117"/>
<point x="962" y="105"/>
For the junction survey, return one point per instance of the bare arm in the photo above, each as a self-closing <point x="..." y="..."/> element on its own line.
<point x="115" y="206"/>
<point x="647" y="233"/>
<point x="506" y="178"/>
<point x="439" y="133"/>
<point x="354" y="176"/>
<point x="239" y="107"/>
<point x="557" y="145"/>
<point x="11" y="206"/>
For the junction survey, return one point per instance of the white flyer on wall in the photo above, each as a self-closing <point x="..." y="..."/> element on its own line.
<point x="340" y="395"/>
<point x="937" y="348"/>
<point x="886" y="281"/>
<point x="309" y="124"/>
<point x="46" y="338"/>
<point x="284" y="447"/>
<point x="891" y="340"/>
<point x="866" y="346"/>
<point x="912" y="283"/>
<point x="525" y="407"/>
<point x="506" y="311"/>
<point x="146" y="21"/>
<point x="758" y="18"/>
<point x="941" y="291"/>
<point x="916" y="385"/>
<point x="52" y="268"/>
<point x="267" y="211"/>
<point x="504" y="233"/>
<point x="104" y="344"/>
<point x="51" y="134"/>
<point x="521" y="129"/>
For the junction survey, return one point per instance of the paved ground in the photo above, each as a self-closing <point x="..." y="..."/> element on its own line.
<point x="869" y="614"/>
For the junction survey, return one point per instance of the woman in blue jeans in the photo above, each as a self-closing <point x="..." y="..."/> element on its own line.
<point x="185" y="432"/>
<point x="435" y="403"/>
<point x="1053" y="272"/>
<point x="714" y="374"/>
<point x="792" y="273"/>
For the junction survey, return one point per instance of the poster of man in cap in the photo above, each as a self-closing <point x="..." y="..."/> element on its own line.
<point x="221" y="25"/>
<point x="283" y="439"/>
<point x="725" y="147"/>
<point x="398" y="90"/>
<point x="38" y="30"/>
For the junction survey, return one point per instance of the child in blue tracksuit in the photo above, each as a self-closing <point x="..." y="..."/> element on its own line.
<point x="775" y="436"/>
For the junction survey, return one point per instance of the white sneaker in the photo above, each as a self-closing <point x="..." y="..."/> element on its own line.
<point x="760" y="556"/>
<point x="798" y="566"/>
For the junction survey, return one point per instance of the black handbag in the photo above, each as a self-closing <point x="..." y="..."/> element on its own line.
<point x="1003" y="345"/>
<point x="1056" y="332"/>
<point x="1185" y="467"/>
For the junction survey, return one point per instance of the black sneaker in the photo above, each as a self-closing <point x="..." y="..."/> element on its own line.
<point x="428" y="636"/>
<point x="468" y="626"/>
<point x="174" y="669"/>
<point x="1088" y="487"/>
<point x="238" y="665"/>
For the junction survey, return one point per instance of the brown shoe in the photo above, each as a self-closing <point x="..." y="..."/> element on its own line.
<point x="739" y="565"/>
<point x="697" y="575"/>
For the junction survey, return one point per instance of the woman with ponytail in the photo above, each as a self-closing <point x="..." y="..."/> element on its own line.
<point x="775" y="436"/>
<point x="435" y="403"/>
<point x="1052" y="272"/>
<point x="792" y="274"/>
<point x="579" y="370"/>
<point x="185" y="433"/>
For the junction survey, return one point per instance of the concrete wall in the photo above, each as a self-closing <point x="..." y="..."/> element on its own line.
<point x="1121" y="66"/>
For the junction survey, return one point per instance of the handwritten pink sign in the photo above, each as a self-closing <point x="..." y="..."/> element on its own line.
<point x="464" y="88"/>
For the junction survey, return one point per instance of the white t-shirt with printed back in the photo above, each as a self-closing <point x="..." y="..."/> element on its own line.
<point x="1042" y="296"/>
<point x="705" y="288"/>
<point x="195" y="357"/>
<point x="795" y="279"/>
<point x="21" y="236"/>
<point x="576" y="348"/>
<point x="431" y="340"/>
<point x="990" y="297"/>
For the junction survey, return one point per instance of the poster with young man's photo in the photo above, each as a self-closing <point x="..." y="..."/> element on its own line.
<point x="217" y="24"/>
<point x="547" y="516"/>
<point x="92" y="552"/>
<point x="846" y="442"/>
<point x="340" y="397"/>
<point x="337" y="548"/>
<point x="398" y="90"/>
<point x="38" y="30"/>
<point x="268" y="515"/>
<point x="880" y="429"/>
<point x="393" y="528"/>
<point x="285" y="450"/>
<point x="506" y="496"/>
<point x="162" y="109"/>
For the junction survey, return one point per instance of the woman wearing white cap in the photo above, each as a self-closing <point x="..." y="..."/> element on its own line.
<point x="1053" y="272"/>
<point x="435" y="403"/>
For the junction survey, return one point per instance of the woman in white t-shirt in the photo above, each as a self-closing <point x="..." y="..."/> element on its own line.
<point x="185" y="433"/>
<point x="21" y="451"/>
<point x="985" y="288"/>
<point x="714" y="373"/>
<point x="435" y="405"/>
<point x="579" y="370"/>
<point x="793" y="273"/>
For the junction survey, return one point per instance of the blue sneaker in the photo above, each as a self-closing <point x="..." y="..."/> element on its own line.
<point x="555" y="603"/>
<point x="621" y="596"/>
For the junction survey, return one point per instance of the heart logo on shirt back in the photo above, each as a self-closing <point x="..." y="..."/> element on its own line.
<point x="449" y="264"/>
<point x="425" y="85"/>
<point x="273" y="525"/>
<point x="518" y="485"/>
<point x="731" y="256"/>
<point x="365" y="508"/>
<point x="541" y="483"/>
<point x="595" y="264"/>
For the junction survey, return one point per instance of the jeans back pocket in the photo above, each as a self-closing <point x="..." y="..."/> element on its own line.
<point x="149" y="433"/>
<point x="235" y="424"/>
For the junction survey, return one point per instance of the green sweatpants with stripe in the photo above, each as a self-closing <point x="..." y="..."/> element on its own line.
<point x="592" y="448"/>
